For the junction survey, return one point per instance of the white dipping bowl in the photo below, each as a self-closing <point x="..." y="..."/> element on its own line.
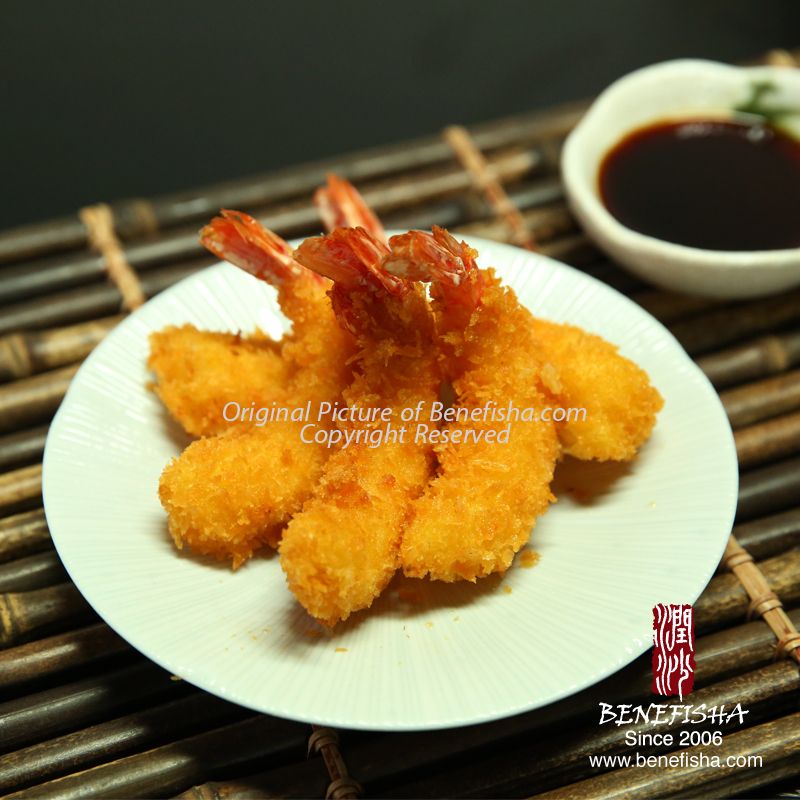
<point x="676" y="90"/>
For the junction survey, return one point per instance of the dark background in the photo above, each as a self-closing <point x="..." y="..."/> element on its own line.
<point x="102" y="100"/>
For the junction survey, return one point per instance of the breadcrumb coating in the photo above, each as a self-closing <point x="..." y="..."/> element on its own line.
<point x="341" y="550"/>
<point x="621" y="404"/>
<point x="228" y="496"/>
<point x="198" y="372"/>
<point x="481" y="507"/>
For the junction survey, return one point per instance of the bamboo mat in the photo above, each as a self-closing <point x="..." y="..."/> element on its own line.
<point x="84" y="715"/>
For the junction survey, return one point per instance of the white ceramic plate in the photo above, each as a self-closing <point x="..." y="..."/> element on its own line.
<point x="458" y="654"/>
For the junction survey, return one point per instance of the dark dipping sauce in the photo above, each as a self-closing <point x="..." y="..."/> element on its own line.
<point x="712" y="184"/>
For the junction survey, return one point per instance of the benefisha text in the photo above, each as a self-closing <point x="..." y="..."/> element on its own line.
<point x="331" y="413"/>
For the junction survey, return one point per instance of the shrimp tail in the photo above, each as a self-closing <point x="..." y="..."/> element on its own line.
<point x="341" y="206"/>
<point x="353" y="259"/>
<point x="438" y="258"/>
<point x="240" y="239"/>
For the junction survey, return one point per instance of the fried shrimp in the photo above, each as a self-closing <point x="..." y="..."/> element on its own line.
<point x="620" y="402"/>
<point x="228" y="495"/>
<point x="480" y="508"/>
<point x="302" y="296"/>
<point x="199" y="372"/>
<point x="341" y="550"/>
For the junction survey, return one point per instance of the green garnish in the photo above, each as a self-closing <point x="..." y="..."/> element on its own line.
<point x="756" y="104"/>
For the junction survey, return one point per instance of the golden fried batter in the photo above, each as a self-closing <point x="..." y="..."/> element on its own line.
<point x="198" y="372"/>
<point x="340" y="551"/>
<point x="621" y="404"/>
<point x="480" y="508"/>
<point x="231" y="494"/>
<point x="268" y="471"/>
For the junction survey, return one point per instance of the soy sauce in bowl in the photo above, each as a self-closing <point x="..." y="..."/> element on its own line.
<point x="707" y="183"/>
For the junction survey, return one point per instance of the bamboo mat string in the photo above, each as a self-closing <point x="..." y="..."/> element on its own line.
<point x="99" y="222"/>
<point x="780" y="58"/>
<point x="763" y="601"/>
<point x="485" y="180"/>
<point x="144" y="215"/>
<point x="326" y="742"/>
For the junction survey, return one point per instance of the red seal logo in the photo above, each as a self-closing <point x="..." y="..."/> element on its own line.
<point x="673" y="649"/>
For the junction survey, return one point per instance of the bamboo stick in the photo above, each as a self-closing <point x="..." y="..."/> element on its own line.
<point x="761" y="400"/>
<point x="544" y="224"/>
<point x="20" y="488"/>
<point x="725" y="326"/>
<point x="34" y="279"/>
<point x="89" y="302"/>
<point x="26" y="241"/>
<point x="53" y="655"/>
<point x="768" y="441"/>
<point x="174" y="767"/>
<point x="23" y="614"/>
<point x="771" y="535"/>
<point x="23" y="447"/>
<point x="34" y="399"/>
<point x="42" y="715"/>
<point x="32" y="572"/>
<point x="615" y="277"/>
<point x="484" y="180"/>
<point x="294" y="779"/>
<point x="136" y="217"/>
<point x="24" y="354"/>
<point x="576" y="250"/>
<point x="86" y="303"/>
<point x="672" y="306"/>
<point x="765" y="356"/>
<point x="768" y="489"/>
<point x="725" y="600"/>
<point x="543" y="195"/>
<point x="546" y="763"/>
<point x="410" y="190"/>
<point x="777" y="742"/>
<point x="451" y="212"/>
<point x="723" y="654"/>
<point x="23" y="534"/>
<point x="108" y="740"/>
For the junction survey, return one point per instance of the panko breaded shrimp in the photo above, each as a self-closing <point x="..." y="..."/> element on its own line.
<point x="198" y="372"/>
<point x="228" y="495"/>
<point x="620" y="402"/>
<point x="302" y="296"/>
<point x="341" y="550"/>
<point x="197" y="375"/>
<point x="480" y="508"/>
